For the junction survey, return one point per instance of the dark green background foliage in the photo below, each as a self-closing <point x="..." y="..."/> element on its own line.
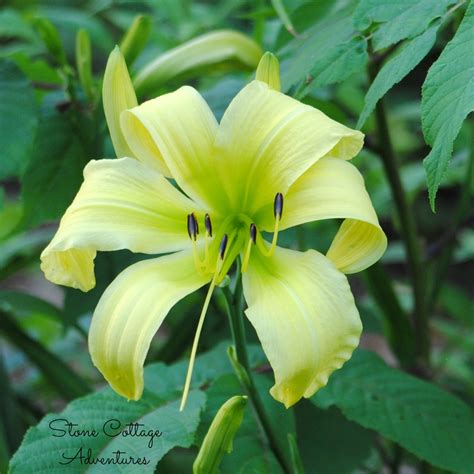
<point x="401" y="71"/>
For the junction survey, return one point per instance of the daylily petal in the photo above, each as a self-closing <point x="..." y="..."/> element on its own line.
<point x="122" y="204"/>
<point x="117" y="95"/>
<point x="330" y="189"/>
<point x="130" y="312"/>
<point x="304" y="313"/>
<point x="175" y="133"/>
<point x="266" y="140"/>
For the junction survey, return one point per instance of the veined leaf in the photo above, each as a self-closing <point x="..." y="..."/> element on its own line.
<point x="338" y="63"/>
<point x="326" y="53"/>
<point x="41" y="452"/>
<point x="399" y="20"/>
<point x="396" y="68"/>
<point x="47" y="447"/>
<point x="18" y="119"/>
<point x="427" y="421"/>
<point x="447" y="99"/>
<point x="64" y="144"/>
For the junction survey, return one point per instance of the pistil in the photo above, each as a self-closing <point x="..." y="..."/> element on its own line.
<point x="215" y="278"/>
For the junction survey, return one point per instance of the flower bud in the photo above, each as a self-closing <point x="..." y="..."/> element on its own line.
<point x="205" y="50"/>
<point x="117" y="95"/>
<point x="268" y="70"/>
<point x="220" y="436"/>
<point x="135" y="38"/>
<point x="84" y="62"/>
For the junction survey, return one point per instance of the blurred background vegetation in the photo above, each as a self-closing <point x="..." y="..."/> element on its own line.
<point x="52" y="124"/>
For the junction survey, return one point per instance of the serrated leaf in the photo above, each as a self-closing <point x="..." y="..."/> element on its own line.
<point x="158" y="408"/>
<point x="317" y="45"/>
<point x="399" y="20"/>
<point x="339" y="63"/>
<point x="447" y="99"/>
<point x="42" y="452"/>
<point x="18" y="119"/>
<point x="424" y="419"/>
<point x="62" y="148"/>
<point x="396" y="68"/>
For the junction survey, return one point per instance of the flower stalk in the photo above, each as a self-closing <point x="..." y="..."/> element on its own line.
<point x="239" y="359"/>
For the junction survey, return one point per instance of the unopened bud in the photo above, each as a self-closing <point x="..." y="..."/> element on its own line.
<point x="268" y="71"/>
<point x="84" y="62"/>
<point x="117" y="96"/>
<point x="219" y="438"/>
<point x="135" y="38"/>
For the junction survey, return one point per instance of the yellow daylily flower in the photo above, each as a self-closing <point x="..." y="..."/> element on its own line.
<point x="270" y="164"/>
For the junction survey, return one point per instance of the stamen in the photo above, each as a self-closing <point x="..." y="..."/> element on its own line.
<point x="277" y="211"/>
<point x="193" y="229"/>
<point x="253" y="233"/>
<point x="208" y="224"/>
<point x="223" y="246"/>
<point x="278" y="206"/>
<point x="248" y="250"/>
<point x="220" y="261"/>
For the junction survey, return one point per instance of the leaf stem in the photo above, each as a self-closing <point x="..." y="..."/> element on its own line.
<point x="408" y="226"/>
<point x="235" y="313"/>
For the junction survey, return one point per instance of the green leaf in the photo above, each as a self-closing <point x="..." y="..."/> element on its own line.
<point x="338" y="64"/>
<point x="12" y="424"/>
<point x="20" y="249"/>
<point x="18" y="120"/>
<point x="64" y="144"/>
<point x="64" y="380"/>
<point x="24" y="304"/>
<point x="399" y="20"/>
<point x="427" y="421"/>
<point x="42" y="452"/>
<point x="447" y="98"/>
<point x="328" y="442"/>
<point x="326" y="53"/>
<point x="396" y="68"/>
<point x="280" y="10"/>
<point x="12" y="25"/>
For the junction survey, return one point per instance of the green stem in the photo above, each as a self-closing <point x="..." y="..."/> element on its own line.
<point x="397" y="326"/>
<point x="408" y="226"/>
<point x="463" y="208"/>
<point x="234" y="310"/>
